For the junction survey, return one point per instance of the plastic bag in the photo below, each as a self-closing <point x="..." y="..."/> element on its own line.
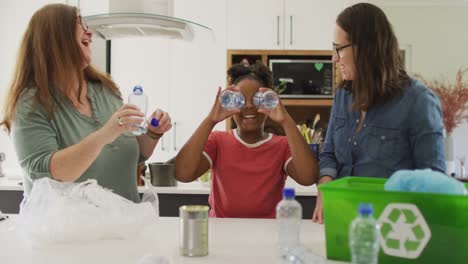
<point x="152" y="259"/>
<point x="300" y="255"/>
<point x="427" y="181"/>
<point x="69" y="212"/>
<point x="5" y="223"/>
<point x="150" y="195"/>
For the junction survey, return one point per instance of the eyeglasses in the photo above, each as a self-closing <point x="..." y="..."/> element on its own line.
<point x="339" y="49"/>
<point x="83" y="24"/>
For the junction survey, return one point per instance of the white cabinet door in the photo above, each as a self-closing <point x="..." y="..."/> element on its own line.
<point x="282" y="24"/>
<point x="144" y="61"/>
<point x="198" y="67"/>
<point x="310" y="23"/>
<point x="255" y="24"/>
<point x="181" y="77"/>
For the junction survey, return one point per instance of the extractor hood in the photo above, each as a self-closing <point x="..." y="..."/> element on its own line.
<point x="142" y="18"/>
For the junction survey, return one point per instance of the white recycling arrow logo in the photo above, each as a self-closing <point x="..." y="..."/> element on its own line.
<point x="403" y="231"/>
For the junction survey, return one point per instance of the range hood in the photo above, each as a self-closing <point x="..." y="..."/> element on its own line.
<point x="142" y="18"/>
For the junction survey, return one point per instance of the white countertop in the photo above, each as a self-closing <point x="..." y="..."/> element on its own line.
<point x="230" y="241"/>
<point x="196" y="187"/>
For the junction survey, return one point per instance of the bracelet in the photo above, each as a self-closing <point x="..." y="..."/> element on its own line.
<point x="154" y="136"/>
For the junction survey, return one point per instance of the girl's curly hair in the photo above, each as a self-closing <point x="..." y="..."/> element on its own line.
<point x="244" y="70"/>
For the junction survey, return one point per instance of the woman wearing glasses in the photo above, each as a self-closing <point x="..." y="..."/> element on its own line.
<point x="67" y="120"/>
<point x="382" y="120"/>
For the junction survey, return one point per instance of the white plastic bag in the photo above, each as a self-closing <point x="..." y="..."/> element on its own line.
<point x="70" y="212"/>
<point x="150" y="195"/>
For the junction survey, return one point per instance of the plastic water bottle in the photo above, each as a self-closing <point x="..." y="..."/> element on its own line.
<point x="138" y="98"/>
<point x="267" y="100"/>
<point x="363" y="236"/>
<point x="288" y="218"/>
<point x="231" y="100"/>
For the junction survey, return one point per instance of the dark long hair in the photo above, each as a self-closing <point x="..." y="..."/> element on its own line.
<point x="48" y="55"/>
<point x="380" y="74"/>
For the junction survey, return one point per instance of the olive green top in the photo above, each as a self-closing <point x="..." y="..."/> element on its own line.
<point x="36" y="138"/>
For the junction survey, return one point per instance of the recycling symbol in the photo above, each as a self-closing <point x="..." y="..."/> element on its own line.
<point x="403" y="231"/>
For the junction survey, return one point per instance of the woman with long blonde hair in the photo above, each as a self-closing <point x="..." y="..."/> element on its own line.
<point x="67" y="120"/>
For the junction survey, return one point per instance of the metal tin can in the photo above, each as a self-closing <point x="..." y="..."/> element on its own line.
<point x="193" y="230"/>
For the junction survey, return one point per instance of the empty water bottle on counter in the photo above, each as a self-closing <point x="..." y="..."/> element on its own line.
<point x="139" y="99"/>
<point x="266" y="100"/>
<point x="288" y="218"/>
<point x="363" y="236"/>
<point x="231" y="100"/>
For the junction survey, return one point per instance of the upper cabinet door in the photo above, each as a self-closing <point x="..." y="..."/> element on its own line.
<point x="255" y="24"/>
<point x="309" y="24"/>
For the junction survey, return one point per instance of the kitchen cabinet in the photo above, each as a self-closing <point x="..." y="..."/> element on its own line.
<point x="282" y="24"/>
<point x="180" y="77"/>
<point x="145" y="62"/>
<point x="301" y="109"/>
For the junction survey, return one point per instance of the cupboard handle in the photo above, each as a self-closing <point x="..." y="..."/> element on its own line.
<point x="162" y="144"/>
<point x="290" y="30"/>
<point x="277" y="30"/>
<point x="175" y="140"/>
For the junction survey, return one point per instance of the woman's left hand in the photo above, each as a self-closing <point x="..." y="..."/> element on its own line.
<point x="277" y="114"/>
<point x="164" y="122"/>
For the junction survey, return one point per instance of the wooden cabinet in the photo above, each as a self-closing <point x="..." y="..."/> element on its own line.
<point x="281" y="24"/>
<point x="303" y="110"/>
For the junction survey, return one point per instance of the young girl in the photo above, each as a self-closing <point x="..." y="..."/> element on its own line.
<point x="248" y="166"/>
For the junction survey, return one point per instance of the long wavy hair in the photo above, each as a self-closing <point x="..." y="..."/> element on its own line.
<point x="380" y="74"/>
<point x="49" y="55"/>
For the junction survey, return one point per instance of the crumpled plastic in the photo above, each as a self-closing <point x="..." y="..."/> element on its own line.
<point x="152" y="259"/>
<point x="300" y="255"/>
<point x="57" y="212"/>
<point x="150" y="195"/>
<point x="427" y="181"/>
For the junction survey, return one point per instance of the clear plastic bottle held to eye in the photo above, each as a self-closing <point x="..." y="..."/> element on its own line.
<point x="231" y="100"/>
<point x="267" y="100"/>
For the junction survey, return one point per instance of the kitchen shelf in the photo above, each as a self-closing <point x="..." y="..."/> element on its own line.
<point x="307" y="102"/>
<point x="302" y="110"/>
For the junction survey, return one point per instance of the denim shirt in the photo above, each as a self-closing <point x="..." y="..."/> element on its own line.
<point x="404" y="133"/>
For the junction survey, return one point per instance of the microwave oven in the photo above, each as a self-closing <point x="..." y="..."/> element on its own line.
<point x="302" y="78"/>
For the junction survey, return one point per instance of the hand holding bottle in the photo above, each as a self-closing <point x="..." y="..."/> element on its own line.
<point x="218" y="113"/>
<point x="159" y="122"/>
<point x="268" y="105"/>
<point x="125" y="119"/>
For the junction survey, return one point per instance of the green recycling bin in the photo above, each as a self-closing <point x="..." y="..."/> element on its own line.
<point x="414" y="227"/>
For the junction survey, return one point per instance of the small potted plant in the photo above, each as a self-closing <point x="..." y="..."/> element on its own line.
<point x="454" y="101"/>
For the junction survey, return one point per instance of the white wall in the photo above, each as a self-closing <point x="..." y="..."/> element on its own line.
<point x="14" y="17"/>
<point x="439" y="40"/>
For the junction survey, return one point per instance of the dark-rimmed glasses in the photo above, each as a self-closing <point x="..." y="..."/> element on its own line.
<point x="339" y="49"/>
<point x="83" y="24"/>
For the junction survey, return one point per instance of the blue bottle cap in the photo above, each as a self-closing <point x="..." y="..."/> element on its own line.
<point x="289" y="193"/>
<point x="365" y="209"/>
<point x="154" y="122"/>
<point x="138" y="89"/>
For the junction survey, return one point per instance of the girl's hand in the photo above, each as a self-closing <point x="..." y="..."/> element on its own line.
<point x="125" y="119"/>
<point x="218" y="113"/>
<point x="164" y="122"/>
<point x="277" y="114"/>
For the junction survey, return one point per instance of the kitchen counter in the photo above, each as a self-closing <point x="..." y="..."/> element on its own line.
<point x="230" y="241"/>
<point x="196" y="187"/>
<point x="170" y="198"/>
